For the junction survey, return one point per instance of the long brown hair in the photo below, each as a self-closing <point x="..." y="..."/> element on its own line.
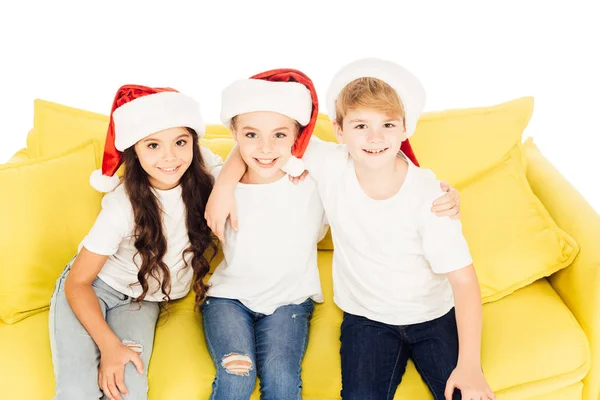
<point x="150" y="242"/>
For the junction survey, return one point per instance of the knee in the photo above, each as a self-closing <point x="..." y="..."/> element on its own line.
<point x="136" y="383"/>
<point x="281" y="380"/>
<point x="236" y="373"/>
<point x="237" y="364"/>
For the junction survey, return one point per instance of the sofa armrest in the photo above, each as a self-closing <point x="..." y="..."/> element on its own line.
<point x="579" y="284"/>
<point x="19" y="156"/>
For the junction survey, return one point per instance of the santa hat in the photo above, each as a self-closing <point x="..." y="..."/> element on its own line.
<point x="137" y="112"/>
<point x="407" y="86"/>
<point x="284" y="91"/>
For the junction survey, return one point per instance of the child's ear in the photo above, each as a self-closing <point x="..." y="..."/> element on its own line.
<point x="337" y="129"/>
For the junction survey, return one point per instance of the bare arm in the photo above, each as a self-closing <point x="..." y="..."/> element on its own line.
<point x="467" y="299"/>
<point x="468" y="375"/>
<point x="221" y="203"/>
<point x="83" y="299"/>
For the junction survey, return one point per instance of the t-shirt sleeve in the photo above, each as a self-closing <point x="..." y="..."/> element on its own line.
<point x="324" y="160"/>
<point x="444" y="244"/>
<point x="110" y="228"/>
<point x="211" y="160"/>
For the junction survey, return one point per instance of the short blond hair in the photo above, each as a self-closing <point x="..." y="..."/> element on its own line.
<point x="371" y="93"/>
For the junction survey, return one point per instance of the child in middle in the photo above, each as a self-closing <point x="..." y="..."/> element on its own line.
<point x="261" y="297"/>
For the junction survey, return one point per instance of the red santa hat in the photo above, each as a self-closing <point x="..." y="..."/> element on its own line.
<point x="137" y="112"/>
<point x="285" y="91"/>
<point x="407" y="86"/>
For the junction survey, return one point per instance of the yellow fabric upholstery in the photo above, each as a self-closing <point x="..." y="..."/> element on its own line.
<point x="48" y="209"/>
<point x="57" y="127"/>
<point x="512" y="238"/>
<point x="19" y="156"/>
<point x="524" y="351"/>
<point x="540" y="342"/>
<point x="460" y="145"/>
<point x="578" y="285"/>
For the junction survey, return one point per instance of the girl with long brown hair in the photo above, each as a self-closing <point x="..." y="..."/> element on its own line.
<point x="146" y="247"/>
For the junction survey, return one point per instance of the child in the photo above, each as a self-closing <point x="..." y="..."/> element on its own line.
<point x="400" y="289"/>
<point x="146" y="247"/>
<point x="398" y="271"/>
<point x="261" y="297"/>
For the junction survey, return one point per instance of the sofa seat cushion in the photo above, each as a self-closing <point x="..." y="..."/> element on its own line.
<point x="531" y="345"/>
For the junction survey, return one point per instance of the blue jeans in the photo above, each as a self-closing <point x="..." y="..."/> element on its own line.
<point x="76" y="356"/>
<point x="244" y="344"/>
<point x="374" y="356"/>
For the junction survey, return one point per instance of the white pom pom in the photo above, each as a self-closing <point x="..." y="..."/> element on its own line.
<point x="294" y="167"/>
<point x="103" y="183"/>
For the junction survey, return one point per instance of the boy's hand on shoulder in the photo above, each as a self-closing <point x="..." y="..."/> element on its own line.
<point x="471" y="382"/>
<point x="296" y="179"/>
<point x="449" y="204"/>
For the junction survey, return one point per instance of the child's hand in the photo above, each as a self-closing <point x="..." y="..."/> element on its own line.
<point x="111" y="375"/>
<point x="221" y="204"/>
<point x="296" y="179"/>
<point x="449" y="204"/>
<point x="471" y="382"/>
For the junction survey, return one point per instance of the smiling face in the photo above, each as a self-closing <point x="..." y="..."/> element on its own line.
<point x="165" y="156"/>
<point x="373" y="138"/>
<point x="265" y="141"/>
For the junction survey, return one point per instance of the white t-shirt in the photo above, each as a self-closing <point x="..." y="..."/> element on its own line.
<point x="390" y="255"/>
<point x="112" y="235"/>
<point x="272" y="260"/>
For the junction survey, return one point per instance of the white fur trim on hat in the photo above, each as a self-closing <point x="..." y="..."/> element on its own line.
<point x="407" y="86"/>
<point x="103" y="183"/>
<point x="153" y="113"/>
<point x="294" y="166"/>
<point x="291" y="99"/>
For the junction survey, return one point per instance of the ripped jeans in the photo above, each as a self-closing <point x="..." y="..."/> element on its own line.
<point x="244" y="344"/>
<point x="76" y="357"/>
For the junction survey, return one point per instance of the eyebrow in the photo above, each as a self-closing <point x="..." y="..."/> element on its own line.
<point x="281" y="128"/>
<point x="363" y="120"/>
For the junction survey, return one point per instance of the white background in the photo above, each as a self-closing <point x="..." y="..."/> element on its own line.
<point x="467" y="53"/>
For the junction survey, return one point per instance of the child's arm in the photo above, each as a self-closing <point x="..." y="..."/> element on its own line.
<point x="447" y="251"/>
<point x="83" y="301"/>
<point x="468" y="375"/>
<point x="319" y="159"/>
<point x="221" y="203"/>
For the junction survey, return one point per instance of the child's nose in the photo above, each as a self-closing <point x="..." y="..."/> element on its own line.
<point x="374" y="135"/>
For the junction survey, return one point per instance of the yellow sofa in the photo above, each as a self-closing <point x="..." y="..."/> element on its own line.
<point x="533" y="237"/>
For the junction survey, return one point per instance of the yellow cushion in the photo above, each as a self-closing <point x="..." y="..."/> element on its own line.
<point x="47" y="210"/>
<point x="26" y="370"/>
<point x="532" y="343"/>
<point x="512" y="238"/>
<point x="57" y="127"/>
<point x="458" y="145"/>
<point x="216" y="131"/>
